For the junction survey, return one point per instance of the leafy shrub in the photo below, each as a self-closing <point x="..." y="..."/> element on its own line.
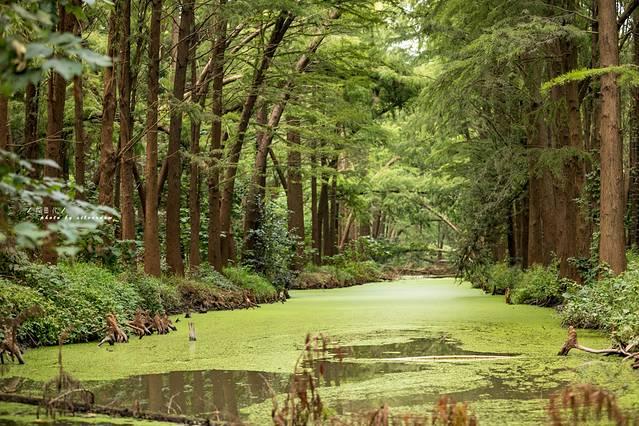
<point x="156" y="295"/>
<point x="611" y="304"/>
<point x="502" y="276"/>
<point x="274" y="247"/>
<point x="82" y="295"/>
<point x="206" y="274"/>
<point x="340" y="273"/>
<point x="539" y="285"/>
<point x="246" y="279"/>
<point x="44" y="326"/>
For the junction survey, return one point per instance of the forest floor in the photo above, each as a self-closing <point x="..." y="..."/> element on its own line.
<point x="406" y="342"/>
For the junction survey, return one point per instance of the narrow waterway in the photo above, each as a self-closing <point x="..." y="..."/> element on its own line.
<point x="405" y="343"/>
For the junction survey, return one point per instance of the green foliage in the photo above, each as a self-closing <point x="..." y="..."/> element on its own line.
<point x="206" y="274"/>
<point x="610" y="304"/>
<point x="22" y="200"/>
<point x="244" y="278"/>
<point x="274" y="247"/>
<point x="30" y="45"/>
<point x="339" y="273"/>
<point x="15" y="299"/>
<point x="628" y="73"/>
<point x="503" y="276"/>
<point x="539" y="285"/>
<point x="156" y="295"/>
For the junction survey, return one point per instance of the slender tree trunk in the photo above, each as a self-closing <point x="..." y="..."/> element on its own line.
<point x="255" y="198"/>
<point x="4" y="123"/>
<point x="295" y="193"/>
<point x="55" y="126"/>
<point x="316" y="223"/>
<point x="127" y="210"/>
<point x="325" y="218"/>
<point x="194" y="175"/>
<point x="611" y="247"/>
<point x="31" y="147"/>
<point x="284" y="20"/>
<point x="214" y="228"/>
<point x="80" y="137"/>
<point x="633" y="196"/>
<point x="173" y="234"/>
<point x="107" y="154"/>
<point x="333" y="214"/>
<point x="151" y="221"/>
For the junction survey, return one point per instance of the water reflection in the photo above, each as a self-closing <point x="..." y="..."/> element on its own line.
<point x="227" y="392"/>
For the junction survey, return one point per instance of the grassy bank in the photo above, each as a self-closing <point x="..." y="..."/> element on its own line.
<point x="341" y="274"/>
<point x="75" y="297"/>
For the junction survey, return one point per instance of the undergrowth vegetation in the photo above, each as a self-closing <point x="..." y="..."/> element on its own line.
<point x="610" y="304"/>
<point x="74" y="298"/>
<point x="339" y="274"/>
<point x="539" y="285"/>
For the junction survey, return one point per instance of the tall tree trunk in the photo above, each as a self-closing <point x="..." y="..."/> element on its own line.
<point x="173" y="234"/>
<point x="194" y="175"/>
<point x="254" y="207"/>
<point x="151" y="221"/>
<point x="78" y="127"/>
<point x="214" y="228"/>
<point x="4" y="123"/>
<point x="633" y="196"/>
<point x="611" y="247"/>
<point x="333" y="214"/>
<point x="55" y="126"/>
<point x="31" y="147"/>
<point x="80" y="137"/>
<point x="284" y="21"/>
<point x="127" y="210"/>
<point x="295" y="193"/>
<point x="107" y="154"/>
<point x="316" y="223"/>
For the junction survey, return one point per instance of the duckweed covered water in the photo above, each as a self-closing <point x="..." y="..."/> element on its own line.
<point x="406" y="342"/>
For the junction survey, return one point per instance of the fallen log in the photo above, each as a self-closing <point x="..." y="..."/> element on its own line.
<point x="572" y="343"/>
<point x="112" y="411"/>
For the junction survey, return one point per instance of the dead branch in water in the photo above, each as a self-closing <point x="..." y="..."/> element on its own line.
<point x="572" y="343"/>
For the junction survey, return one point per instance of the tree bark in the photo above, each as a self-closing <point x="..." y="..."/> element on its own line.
<point x="31" y="148"/>
<point x="316" y="223"/>
<point x="151" y="221"/>
<point x="633" y="196"/>
<point x="80" y="136"/>
<point x="214" y="228"/>
<point x="284" y="20"/>
<point x="194" y="176"/>
<point x="127" y="210"/>
<point x="55" y="125"/>
<point x="295" y="193"/>
<point x="173" y="229"/>
<point x="611" y="246"/>
<point x="107" y="154"/>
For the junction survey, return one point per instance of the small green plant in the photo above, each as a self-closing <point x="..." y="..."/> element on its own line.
<point x="244" y="278"/>
<point x="503" y="276"/>
<point x="540" y="285"/>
